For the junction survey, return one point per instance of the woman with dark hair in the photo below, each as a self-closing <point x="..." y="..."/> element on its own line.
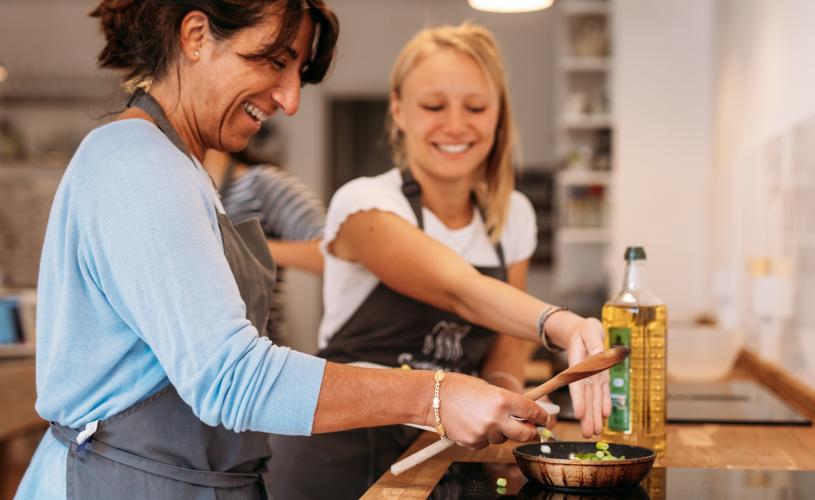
<point x="152" y="366"/>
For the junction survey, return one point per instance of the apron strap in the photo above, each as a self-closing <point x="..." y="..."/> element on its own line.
<point x="148" y="103"/>
<point x="211" y="479"/>
<point x="413" y="192"/>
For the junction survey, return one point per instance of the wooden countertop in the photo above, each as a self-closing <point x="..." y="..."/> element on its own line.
<point x="689" y="445"/>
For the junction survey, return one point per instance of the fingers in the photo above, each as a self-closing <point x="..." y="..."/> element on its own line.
<point x="578" y="404"/>
<point x="476" y="445"/>
<point x="496" y="437"/>
<point x="597" y="403"/>
<point x="519" y="430"/>
<point x="587" y="422"/>
<point x="527" y="409"/>
<point x="590" y="399"/>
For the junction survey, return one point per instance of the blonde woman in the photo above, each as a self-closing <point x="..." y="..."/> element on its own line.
<point x="426" y="262"/>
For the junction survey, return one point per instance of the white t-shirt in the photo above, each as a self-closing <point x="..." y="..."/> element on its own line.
<point x="346" y="284"/>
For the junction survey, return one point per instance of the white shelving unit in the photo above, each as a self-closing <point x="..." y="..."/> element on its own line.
<point x="596" y="121"/>
<point x="585" y="64"/>
<point x="584" y="7"/>
<point x="585" y="124"/>
<point x="47" y="89"/>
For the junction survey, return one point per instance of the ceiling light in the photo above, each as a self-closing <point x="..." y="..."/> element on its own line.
<point x="510" y="5"/>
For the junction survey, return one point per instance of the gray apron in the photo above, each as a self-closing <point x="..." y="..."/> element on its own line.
<point x="158" y="448"/>
<point x="274" y="326"/>
<point x="389" y="329"/>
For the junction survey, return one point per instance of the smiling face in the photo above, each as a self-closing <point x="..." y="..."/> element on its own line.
<point x="447" y="110"/>
<point x="235" y="94"/>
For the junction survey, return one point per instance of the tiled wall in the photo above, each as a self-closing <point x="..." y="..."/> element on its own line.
<point x="26" y="192"/>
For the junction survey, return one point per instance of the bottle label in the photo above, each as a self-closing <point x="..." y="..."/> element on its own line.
<point x="620" y="374"/>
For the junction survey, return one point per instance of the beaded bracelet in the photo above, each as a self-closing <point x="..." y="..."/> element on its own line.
<point x="438" y="377"/>
<point x="546" y="314"/>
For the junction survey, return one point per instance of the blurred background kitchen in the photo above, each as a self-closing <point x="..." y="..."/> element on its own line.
<point x="684" y="126"/>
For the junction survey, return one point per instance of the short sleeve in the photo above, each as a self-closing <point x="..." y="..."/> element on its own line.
<point x="365" y="193"/>
<point x="520" y="236"/>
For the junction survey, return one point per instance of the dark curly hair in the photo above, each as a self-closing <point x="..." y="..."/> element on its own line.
<point x="142" y="35"/>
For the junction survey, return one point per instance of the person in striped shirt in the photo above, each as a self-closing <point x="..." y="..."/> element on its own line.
<point x="252" y="185"/>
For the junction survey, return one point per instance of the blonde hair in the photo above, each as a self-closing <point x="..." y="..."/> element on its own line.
<point x="495" y="180"/>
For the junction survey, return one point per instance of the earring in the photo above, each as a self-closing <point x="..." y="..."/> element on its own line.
<point x="195" y="53"/>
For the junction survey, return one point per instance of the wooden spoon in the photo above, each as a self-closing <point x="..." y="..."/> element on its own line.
<point x="590" y="366"/>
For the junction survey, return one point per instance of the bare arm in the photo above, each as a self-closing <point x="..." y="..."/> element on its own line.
<point x="504" y="366"/>
<point x="473" y="412"/>
<point x="412" y="263"/>
<point x="303" y="255"/>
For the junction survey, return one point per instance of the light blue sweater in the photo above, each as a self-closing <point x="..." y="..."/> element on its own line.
<point x="135" y="293"/>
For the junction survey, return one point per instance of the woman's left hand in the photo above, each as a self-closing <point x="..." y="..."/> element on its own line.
<point x="591" y="398"/>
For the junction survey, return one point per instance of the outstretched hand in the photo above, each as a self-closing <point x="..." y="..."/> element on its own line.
<point x="591" y="398"/>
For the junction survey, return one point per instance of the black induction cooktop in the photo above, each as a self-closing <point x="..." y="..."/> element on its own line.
<point x="466" y="481"/>
<point x="732" y="402"/>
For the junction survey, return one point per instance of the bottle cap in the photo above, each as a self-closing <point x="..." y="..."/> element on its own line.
<point x="634" y="253"/>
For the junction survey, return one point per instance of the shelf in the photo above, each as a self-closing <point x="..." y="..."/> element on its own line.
<point x="587" y="235"/>
<point x="16" y="350"/>
<point x="581" y="177"/>
<point x="577" y="64"/>
<point x="60" y="89"/>
<point x="584" y="7"/>
<point x="585" y="122"/>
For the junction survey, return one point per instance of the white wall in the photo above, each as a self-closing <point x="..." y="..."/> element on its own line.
<point x="663" y="93"/>
<point x="765" y="168"/>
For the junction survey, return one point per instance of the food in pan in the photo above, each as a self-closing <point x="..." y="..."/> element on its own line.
<point x="602" y="453"/>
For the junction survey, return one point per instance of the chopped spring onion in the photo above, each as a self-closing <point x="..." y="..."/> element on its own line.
<point x="602" y="454"/>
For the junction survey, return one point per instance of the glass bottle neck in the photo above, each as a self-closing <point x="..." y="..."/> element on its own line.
<point x="634" y="278"/>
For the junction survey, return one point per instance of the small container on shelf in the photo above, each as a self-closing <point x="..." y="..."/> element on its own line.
<point x="10" y="331"/>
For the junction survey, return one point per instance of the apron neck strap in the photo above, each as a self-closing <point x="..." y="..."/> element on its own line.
<point x="148" y="103"/>
<point x="413" y="192"/>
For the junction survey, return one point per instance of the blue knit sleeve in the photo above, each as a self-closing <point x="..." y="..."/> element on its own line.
<point x="150" y="243"/>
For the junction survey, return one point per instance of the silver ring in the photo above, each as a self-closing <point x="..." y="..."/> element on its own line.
<point x="587" y="382"/>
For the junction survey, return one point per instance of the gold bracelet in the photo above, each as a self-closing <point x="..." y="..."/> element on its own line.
<point x="438" y="377"/>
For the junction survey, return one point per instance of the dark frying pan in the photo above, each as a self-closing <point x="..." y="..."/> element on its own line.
<point x="556" y="469"/>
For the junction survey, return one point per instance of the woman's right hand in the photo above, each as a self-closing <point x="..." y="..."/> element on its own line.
<point x="475" y="413"/>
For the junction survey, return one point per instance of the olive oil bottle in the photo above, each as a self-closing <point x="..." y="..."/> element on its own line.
<point x="637" y="319"/>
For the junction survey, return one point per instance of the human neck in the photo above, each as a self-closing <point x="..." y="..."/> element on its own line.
<point x="449" y="200"/>
<point x="167" y="95"/>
